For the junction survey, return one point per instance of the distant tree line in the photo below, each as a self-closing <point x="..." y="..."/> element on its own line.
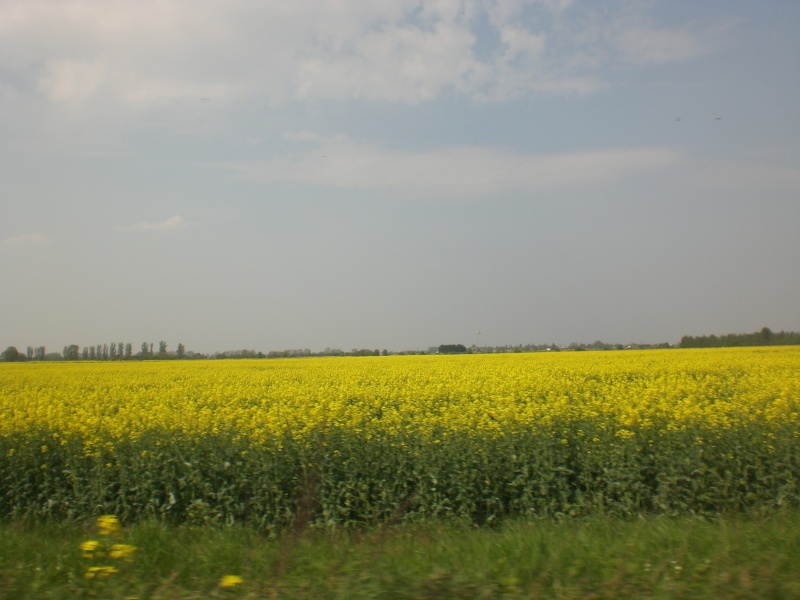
<point x="112" y="351"/>
<point x="765" y="337"/>
<point x="147" y="351"/>
<point x="452" y="349"/>
<point x="239" y="354"/>
<point x="305" y="352"/>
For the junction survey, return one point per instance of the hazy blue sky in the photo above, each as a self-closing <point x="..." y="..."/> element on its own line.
<point x="397" y="174"/>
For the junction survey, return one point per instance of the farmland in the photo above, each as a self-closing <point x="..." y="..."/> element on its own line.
<point x="361" y="441"/>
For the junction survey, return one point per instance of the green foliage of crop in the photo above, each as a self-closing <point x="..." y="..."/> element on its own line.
<point x="347" y="480"/>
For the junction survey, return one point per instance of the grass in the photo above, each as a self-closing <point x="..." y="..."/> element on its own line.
<point x="735" y="556"/>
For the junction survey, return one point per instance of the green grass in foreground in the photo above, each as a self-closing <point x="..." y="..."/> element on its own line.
<point x="730" y="557"/>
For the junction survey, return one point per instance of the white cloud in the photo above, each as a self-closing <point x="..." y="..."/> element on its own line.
<point x="453" y="171"/>
<point x="71" y="80"/>
<point x="171" y="223"/>
<point x="141" y="54"/>
<point x="643" y="45"/>
<point x="400" y="63"/>
<point x="25" y="240"/>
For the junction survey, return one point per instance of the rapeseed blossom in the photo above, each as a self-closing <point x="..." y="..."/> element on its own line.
<point x="504" y="431"/>
<point x="489" y="395"/>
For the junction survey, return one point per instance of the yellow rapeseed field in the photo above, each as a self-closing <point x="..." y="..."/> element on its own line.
<point x="476" y="436"/>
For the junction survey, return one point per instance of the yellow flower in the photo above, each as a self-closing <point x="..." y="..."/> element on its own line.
<point x="107" y="524"/>
<point x="230" y="581"/>
<point x="124" y="551"/>
<point x="88" y="547"/>
<point x="93" y="572"/>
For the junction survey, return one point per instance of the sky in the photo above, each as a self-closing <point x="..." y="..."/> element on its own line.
<point x="397" y="174"/>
